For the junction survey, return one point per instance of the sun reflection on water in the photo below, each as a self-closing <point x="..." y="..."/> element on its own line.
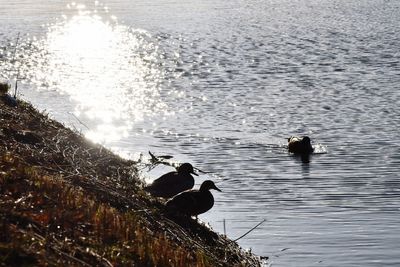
<point x="111" y="71"/>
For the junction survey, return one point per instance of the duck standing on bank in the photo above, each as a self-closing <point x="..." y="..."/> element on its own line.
<point x="300" y="145"/>
<point x="173" y="183"/>
<point x="193" y="202"/>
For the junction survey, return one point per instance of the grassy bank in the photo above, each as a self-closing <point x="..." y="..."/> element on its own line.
<point x="66" y="201"/>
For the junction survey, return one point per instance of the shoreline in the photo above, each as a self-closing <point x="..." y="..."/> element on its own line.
<point x="66" y="200"/>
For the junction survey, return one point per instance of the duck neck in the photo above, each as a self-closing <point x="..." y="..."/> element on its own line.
<point x="204" y="189"/>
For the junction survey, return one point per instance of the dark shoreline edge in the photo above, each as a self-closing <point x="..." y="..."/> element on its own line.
<point x="67" y="201"/>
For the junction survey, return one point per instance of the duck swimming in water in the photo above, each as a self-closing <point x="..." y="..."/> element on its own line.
<point x="300" y="145"/>
<point x="193" y="202"/>
<point x="173" y="183"/>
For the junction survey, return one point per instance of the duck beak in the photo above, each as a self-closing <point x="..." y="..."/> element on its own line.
<point x="216" y="188"/>
<point x="194" y="173"/>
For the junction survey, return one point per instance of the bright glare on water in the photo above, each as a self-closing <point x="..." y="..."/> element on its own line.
<point x="222" y="84"/>
<point x="109" y="70"/>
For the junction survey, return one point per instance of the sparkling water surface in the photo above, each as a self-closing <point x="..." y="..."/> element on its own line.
<point x="222" y="84"/>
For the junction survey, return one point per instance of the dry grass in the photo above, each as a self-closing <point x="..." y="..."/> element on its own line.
<point x="45" y="220"/>
<point x="66" y="201"/>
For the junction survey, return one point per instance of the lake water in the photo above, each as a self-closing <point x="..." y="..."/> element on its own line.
<point x="222" y="84"/>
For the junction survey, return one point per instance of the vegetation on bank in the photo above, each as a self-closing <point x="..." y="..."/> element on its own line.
<point x="67" y="201"/>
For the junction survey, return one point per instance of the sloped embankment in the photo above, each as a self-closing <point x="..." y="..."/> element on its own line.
<point x="66" y="201"/>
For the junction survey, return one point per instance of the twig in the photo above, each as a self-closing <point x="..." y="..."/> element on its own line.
<point x="16" y="44"/>
<point x="78" y="120"/>
<point x="97" y="256"/>
<point x="224" y="228"/>
<point x="156" y="158"/>
<point x="250" y="230"/>
<point x="16" y="85"/>
<point x="62" y="253"/>
<point x="73" y="154"/>
<point x="13" y="61"/>
<point x="160" y="160"/>
<point x="201" y="170"/>
<point x="15" y="51"/>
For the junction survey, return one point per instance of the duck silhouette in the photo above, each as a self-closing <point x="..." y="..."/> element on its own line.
<point x="300" y="145"/>
<point x="173" y="183"/>
<point x="193" y="202"/>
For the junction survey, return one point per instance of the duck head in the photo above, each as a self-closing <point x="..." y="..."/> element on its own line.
<point x="186" y="168"/>
<point x="207" y="185"/>
<point x="306" y="140"/>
